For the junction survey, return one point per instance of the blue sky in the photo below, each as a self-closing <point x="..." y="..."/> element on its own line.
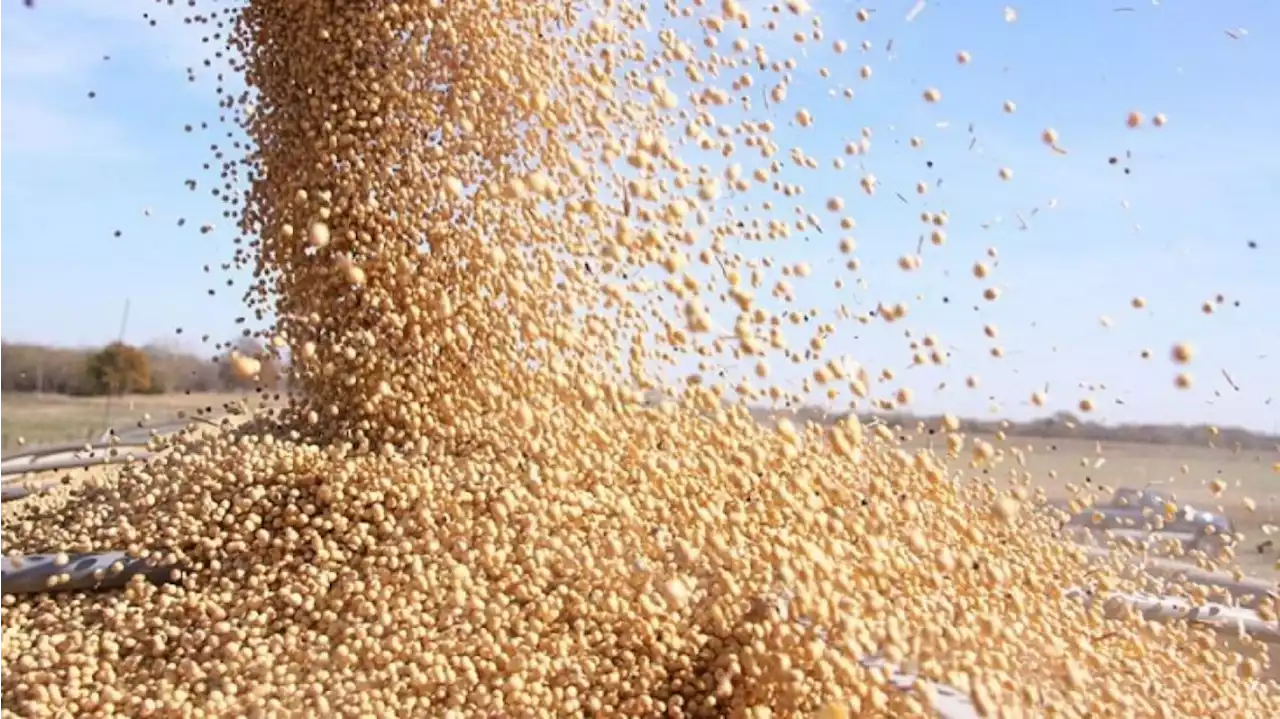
<point x="76" y="169"/>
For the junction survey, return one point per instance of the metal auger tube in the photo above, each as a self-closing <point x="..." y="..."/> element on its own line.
<point x="31" y="454"/>
<point x="1246" y="591"/>
<point x="42" y="574"/>
<point x="72" y="463"/>
<point x="1236" y="620"/>
<point x="114" y="447"/>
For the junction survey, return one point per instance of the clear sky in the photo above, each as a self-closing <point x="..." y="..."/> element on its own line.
<point x="1175" y="230"/>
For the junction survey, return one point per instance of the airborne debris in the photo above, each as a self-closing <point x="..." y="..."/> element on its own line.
<point x="1230" y="381"/>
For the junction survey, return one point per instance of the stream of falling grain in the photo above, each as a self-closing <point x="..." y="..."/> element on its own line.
<point x="480" y="226"/>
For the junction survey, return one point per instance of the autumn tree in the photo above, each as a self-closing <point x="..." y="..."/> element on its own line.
<point x="119" y="368"/>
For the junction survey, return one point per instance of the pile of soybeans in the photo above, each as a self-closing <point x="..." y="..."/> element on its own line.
<point x="478" y="227"/>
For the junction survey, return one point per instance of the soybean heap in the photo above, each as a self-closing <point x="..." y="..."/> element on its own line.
<point x="478" y="228"/>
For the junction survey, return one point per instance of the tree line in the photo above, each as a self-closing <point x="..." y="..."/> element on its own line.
<point x="1061" y="425"/>
<point x="120" y="368"/>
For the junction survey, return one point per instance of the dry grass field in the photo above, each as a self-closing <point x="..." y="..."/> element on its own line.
<point x="51" y="418"/>
<point x="1182" y="471"/>
<point x="1057" y="464"/>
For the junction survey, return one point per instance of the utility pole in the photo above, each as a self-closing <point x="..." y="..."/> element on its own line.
<point x="106" y="413"/>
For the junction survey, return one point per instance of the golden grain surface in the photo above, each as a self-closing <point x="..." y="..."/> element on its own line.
<point x="475" y="225"/>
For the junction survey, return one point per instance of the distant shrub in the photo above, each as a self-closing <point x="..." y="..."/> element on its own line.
<point x="119" y="368"/>
<point x="71" y="370"/>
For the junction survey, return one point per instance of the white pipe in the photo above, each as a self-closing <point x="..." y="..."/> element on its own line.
<point x="1237" y="620"/>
